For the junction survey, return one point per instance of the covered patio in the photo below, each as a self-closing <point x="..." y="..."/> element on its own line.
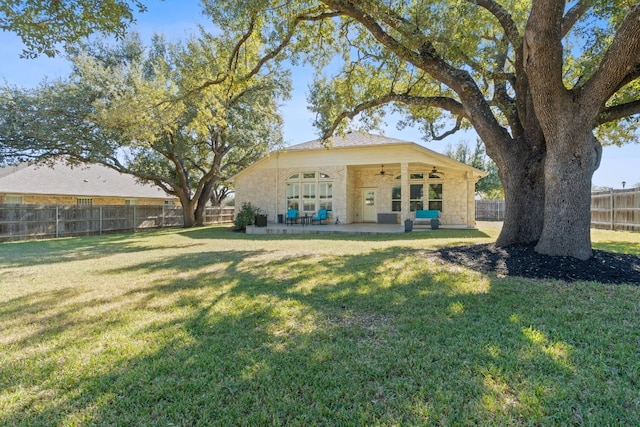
<point x="360" y="179"/>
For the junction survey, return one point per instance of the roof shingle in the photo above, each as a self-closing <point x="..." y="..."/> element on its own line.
<point x="351" y="139"/>
<point x="84" y="180"/>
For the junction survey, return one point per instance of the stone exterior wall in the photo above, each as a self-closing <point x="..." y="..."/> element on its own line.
<point x="454" y="203"/>
<point x="258" y="187"/>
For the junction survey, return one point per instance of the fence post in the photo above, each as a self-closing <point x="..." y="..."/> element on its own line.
<point x="612" y="210"/>
<point x="57" y="221"/>
<point x="134" y="218"/>
<point x="100" y="225"/>
<point x="163" y="214"/>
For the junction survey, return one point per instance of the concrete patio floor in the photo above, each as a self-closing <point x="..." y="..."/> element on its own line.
<point x="355" y="228"/>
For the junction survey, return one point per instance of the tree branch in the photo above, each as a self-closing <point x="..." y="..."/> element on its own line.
<point x="451" y="131"/>
<point x="573" y="14"/>
<point x="617" y="112"/>
<point x="504" y="18"/>
<point x="448" y="104"/>
<point x="619" y="60"/>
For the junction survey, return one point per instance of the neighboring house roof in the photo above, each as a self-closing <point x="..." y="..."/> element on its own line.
<point x="81" y="180"/>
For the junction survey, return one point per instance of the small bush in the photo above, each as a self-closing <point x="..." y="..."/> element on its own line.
<point x="246" y="216"/>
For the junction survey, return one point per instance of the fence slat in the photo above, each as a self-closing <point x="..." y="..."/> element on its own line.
<point x="20" y="222"/>
<point x="612" y="210"/>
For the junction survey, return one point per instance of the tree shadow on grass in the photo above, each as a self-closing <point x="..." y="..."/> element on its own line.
<point x="53" y="251"/>
<point x="217" y="232"/>
<point x="342" y="340"/>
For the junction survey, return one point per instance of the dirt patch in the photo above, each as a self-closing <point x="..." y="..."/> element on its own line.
<point x="524" y="261"/>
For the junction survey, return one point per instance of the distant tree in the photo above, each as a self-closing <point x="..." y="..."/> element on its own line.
<point x="43" y="25"/>
<point x="183" y="116"/>
<point x="220" y="194"/>
<point x="489" y="186"/>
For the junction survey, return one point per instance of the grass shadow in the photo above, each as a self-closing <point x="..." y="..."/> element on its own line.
<point x="55" y="251"/>
<point x="378" y="338"/>
<point x="217" y="232"/>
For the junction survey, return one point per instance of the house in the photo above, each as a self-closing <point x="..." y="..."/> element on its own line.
<point x="361" y="177"/>
<point x="78" y="185"/>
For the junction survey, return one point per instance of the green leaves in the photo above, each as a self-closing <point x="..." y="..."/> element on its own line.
<point x="186" y="116"/>
<point x="44" y="25"/>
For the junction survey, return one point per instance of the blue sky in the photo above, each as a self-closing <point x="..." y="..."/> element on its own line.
<point x="178" y="18"/>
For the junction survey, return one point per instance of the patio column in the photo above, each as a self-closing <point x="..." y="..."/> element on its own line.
<point x="471" y="200"/>
<point x="404" y="183"/>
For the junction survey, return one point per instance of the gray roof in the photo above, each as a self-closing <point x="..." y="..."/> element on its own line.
<point x="81" y="180"/>
<point x="351" y="139"/>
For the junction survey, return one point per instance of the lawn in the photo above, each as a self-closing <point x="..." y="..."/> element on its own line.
<point x="210" y="327"/>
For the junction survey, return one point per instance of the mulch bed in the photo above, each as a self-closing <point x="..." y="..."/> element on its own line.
<point x="524" y="261"/>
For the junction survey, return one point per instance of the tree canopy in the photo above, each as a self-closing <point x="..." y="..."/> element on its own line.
<point x="43" y="25"/>
<point x="183" y="116"/>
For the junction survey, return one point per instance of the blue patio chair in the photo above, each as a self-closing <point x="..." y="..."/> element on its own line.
<point x="292" y="216"/>
<point x="322" y="216"/>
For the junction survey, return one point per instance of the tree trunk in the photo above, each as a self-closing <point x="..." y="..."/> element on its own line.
<point x="201" y="207"/>
<point x="523" y="182"/>
<point x="571" y="161"/>
<point x="188" y="212"/>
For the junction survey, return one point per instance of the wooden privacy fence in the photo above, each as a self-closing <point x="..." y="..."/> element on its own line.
<point x="490" y="210"/>
<point x="18" y="222"/>
<point x="612" y="210"/>
<point x="616" y="209"/>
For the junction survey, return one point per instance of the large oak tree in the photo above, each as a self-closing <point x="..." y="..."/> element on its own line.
<point x="542" y="83"/>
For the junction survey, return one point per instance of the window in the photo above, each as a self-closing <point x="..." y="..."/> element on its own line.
<point x="168" y="202"/>
<point x="130" y="202"/>
<point x="13" y="200"/>
<point x="416" y="192"/>
<point x="310" y="191"/>
<point x="309" y="196"/>
<point x="417" y="198"/>
<point x="293" y="196"/>
<point x="84" y="201"/>
<point x="435" y="197"/>
<point x="396" y="198"/>
<point x="325" y="194"/>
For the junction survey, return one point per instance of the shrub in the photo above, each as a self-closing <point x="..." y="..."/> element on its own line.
<point x="245" y="216"/>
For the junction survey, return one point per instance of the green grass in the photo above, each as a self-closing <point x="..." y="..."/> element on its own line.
<point x="201" y="327"/>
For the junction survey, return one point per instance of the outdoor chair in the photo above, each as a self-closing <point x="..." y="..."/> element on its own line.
<point x="322" y="216"/>
<point x="292" y="216"/>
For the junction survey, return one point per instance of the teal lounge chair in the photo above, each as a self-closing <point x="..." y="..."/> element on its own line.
<point x="322" y="216"/>
<point x="292" y="216"/>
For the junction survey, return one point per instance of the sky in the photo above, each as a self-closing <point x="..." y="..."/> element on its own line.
<point x="176" y="19"/>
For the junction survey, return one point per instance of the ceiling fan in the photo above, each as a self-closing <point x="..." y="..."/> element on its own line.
<point x="382" y="172"/>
